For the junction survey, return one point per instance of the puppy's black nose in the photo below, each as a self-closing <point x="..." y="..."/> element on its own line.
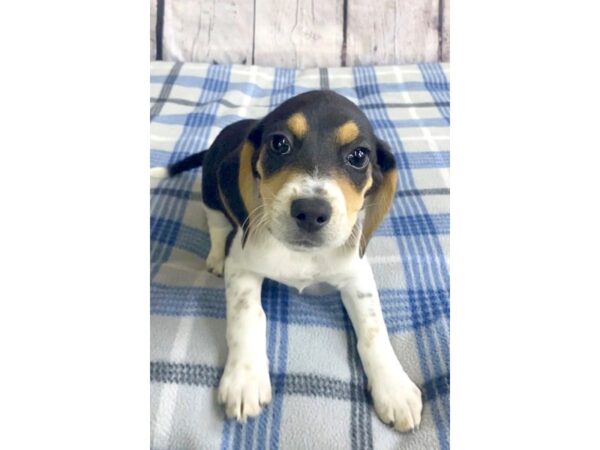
<point x="311" y="214"/>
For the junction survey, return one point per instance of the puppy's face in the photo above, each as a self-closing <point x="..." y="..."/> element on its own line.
<point x="316" y="160"/>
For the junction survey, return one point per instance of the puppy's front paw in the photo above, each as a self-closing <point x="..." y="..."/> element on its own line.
<point x="397" y="400"/>
<point x="244" y="389"/>
<point x="215" y="263"/>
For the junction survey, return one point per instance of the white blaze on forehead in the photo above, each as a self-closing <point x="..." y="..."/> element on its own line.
<point x="311" y="186"/>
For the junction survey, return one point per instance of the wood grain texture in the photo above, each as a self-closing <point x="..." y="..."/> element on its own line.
<point x="445" y="56"/>
<point x="208" y="31"/>
<point x="302" y="33"/>
<point x="299" y="33"/>
<point x="392" y="31"/>
<point x="152" y="30"/>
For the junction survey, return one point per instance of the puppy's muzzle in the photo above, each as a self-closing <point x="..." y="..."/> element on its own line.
<point x="311" y="214"/>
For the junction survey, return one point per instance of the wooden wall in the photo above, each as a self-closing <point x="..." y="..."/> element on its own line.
<point x="300" y="33"/>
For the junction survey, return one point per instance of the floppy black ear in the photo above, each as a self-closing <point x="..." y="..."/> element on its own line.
<point x="255" y="135"/>
<point x="255" y="138"/>
<point x="236" y="182"/>
<point x="381" y="194"/>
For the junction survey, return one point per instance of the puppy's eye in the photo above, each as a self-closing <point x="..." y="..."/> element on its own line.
<point x="358" y="158"/>
<point x="280" y="145"/>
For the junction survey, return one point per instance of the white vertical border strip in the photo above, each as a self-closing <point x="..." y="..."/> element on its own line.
<point x="74" y="322"/>
<point x="525" y="225"/>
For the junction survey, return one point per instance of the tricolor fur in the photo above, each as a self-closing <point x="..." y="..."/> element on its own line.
<point x="296" y="197"/>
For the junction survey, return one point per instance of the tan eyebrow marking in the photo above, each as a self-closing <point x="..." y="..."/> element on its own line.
<point x="346" y="133"/>
<point x="298" y="125"/>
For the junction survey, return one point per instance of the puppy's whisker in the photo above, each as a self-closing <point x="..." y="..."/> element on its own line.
<point x="263" y="222"/>
<point x="252" y="214"/>
<point x="249" y="221"/>
<point x="259" y="223"/>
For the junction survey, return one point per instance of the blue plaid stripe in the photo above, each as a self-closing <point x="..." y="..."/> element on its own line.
<point x="308" y="310"/>
<point x="425" y="160"/>
<point x="258" y="92"/>
<point x="222" y="122"/>
<point x="417" y="301"/>
<point x="437" y="85"/>
<point x="168" y="84"/>
<point x="428" y="273"/>
<point x="361" y="433"/>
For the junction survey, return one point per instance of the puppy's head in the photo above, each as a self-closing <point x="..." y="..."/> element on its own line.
<point x="316" y="165"/>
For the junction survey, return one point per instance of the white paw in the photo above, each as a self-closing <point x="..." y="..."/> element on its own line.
<point x="397" y="400"/>
<point x="244" y="389"/>
<point x="215" y="263"/>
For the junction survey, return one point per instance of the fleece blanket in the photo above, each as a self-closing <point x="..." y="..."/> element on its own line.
<point x="320" y="392"/>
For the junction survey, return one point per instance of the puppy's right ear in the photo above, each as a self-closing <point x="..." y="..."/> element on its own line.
<point x="255" y="135"/>
<point x="237" y="181"/>
<point x="228" y="174"/>
<point x="255" y="138"/>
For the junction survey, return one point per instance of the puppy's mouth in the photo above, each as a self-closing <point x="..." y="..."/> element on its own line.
<point x="299" y="241"/>
<point x="304" y="242"/>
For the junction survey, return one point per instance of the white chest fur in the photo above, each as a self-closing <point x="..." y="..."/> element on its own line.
<point x="266" y="256"/>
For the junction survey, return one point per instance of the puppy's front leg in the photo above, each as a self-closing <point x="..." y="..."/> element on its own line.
<point x="245" y="385"/>
<point x="396" y="398"/>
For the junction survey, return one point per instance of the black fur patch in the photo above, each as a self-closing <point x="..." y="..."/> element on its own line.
<point x="189" y="163"/>
<point x="229" y="240"/>
<point x="229" y="190"/>
<point x="385" y="163"/>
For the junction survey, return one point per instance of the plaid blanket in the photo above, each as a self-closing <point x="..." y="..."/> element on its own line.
<point x="320" y="396"/>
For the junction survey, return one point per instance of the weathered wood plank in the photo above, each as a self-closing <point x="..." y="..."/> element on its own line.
<point x="298" y="33"/>
<point x="445" y="56"/>
<point x="208" y="31"/>
<point x="303" y="33"/>
<point x="152" y="30"/>
<point x="392" y="31"/>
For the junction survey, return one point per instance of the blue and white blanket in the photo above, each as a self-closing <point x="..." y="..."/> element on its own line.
<point x="320" y="396"/>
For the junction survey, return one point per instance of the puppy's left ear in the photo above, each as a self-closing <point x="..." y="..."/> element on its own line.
<point x="380" y="196"/>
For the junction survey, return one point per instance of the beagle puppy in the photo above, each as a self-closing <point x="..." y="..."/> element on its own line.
<point x="295" y="197"/>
